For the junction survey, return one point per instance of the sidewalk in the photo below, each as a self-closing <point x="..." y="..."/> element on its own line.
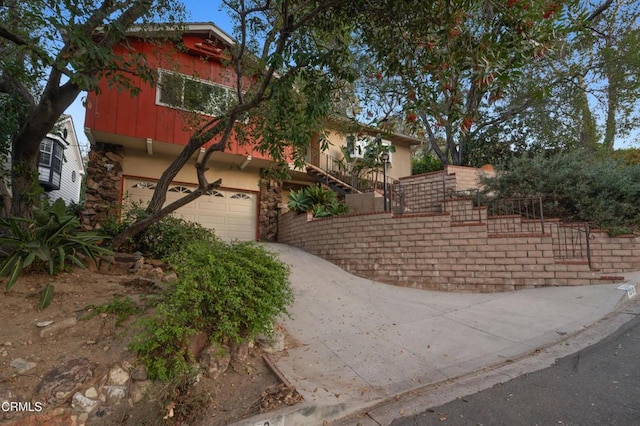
<point x="362" y="342"/>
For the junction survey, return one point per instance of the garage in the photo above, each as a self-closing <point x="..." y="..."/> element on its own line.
<point x="232" y="214"/>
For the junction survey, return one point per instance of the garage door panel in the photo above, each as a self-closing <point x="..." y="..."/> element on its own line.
<point x="232" y="214"/>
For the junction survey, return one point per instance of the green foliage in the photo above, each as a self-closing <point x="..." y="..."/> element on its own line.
<point x="629" y="156"/>
<point x="51" y="52"/>
<point x="121" y="307"/>
<point x="231" y="291"/>
<point x="425" y="164"/>
<point x="575" y="187"/>
<point x="48" y="241"/>
<point x="299" y="201"/>
<point x="441" y="71"/>
<point x="162" y="238"/>
<point x="321" y="202"/>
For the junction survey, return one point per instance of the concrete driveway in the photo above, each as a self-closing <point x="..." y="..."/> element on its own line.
<point x="359" y="342"/>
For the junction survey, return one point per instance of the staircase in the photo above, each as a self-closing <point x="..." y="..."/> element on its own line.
<point x="330" y="180"/>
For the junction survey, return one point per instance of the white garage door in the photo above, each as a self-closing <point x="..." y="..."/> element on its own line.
<point x="232" y="214"/>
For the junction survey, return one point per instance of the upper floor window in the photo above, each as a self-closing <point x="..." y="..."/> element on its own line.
<point x="50" y="163"/>
<point x="191" y="94"/>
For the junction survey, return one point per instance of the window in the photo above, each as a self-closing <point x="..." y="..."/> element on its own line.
<point x="50" y="163"/>
<point x="46" y="151"/>
<point x="147" y="185"/>
<point x="239" y="196"/>
<point x="190" y="94"/>
<point x="73" y="176"/>
<point x="181" y="189"/>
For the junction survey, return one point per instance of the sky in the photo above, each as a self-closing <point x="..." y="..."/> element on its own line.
<point x="199" y="11"/>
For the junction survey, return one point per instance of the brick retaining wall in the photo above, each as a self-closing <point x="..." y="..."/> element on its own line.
<point x="429" y="251"/>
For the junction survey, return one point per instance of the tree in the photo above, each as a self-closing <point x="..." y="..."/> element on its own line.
<point x="442" y="65"/>
<point x="582" y="95"/>
<point x="50" y="51"/>
<point x="289" y="59"/>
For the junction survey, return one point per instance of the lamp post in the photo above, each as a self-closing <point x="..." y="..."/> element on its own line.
<point x="384" y="157"/>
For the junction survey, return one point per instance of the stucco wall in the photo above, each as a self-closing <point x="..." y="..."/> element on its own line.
<point x="140" y="164"/>
<point x="401" y="159"/>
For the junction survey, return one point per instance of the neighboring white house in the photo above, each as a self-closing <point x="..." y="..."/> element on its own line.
<point x="60" y="167"/>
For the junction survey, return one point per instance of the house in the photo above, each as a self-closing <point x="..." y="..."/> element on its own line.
<point x="60" y="167"/>
<point x="134" y="139"/>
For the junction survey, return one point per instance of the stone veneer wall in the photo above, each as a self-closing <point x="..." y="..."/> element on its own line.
<point x="429" y="251"/>
<point x="104" y="176"/>
<point x="270" y="199"/>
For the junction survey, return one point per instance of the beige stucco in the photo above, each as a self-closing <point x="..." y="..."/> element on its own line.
<point x="141" y="165"/>
<point x="401" y="159"/>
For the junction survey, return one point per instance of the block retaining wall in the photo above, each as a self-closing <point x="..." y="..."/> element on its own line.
<point x="429" y="251"/>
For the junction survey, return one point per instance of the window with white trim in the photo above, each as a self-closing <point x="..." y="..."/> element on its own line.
<point x="181" y="91"/>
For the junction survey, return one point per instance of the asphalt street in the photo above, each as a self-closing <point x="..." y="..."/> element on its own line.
<point x="599" y="385"/>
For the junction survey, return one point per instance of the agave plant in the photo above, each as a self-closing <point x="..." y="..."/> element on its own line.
<point x="50" y="241"/>
<point x="299" y="201"/>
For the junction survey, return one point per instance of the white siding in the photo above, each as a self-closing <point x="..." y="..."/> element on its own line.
<point x="69" y="189"/>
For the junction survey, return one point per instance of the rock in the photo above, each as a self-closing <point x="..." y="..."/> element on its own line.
<point x="117" y="376"/>
<point x="139" y="374"/>
<point x="114" y="394"/>
<point x="138" y="390"/>
<point x="82" y="403"/>
<point x="6" y="395"/>
<point x="44" y="323"/>
<point x="3" y="352"/>
<point x="116" y="158"/>
<point x="8" y="343"/>
<point x="273" y="343"/>
<point x="155" y="274"/>
<point x="58" y="328"/>
<point x="82" y="418"/>
<point x="197" y="343"/>
<point x="91" y="393"/>
<point x="22" y="365"/>
<point x="239" y="352"/>
<point x="215" y="360"/>
<point x="170" y="277"/>
<point x="61" y="382"/>
<point x="156" y="263"/>
<point x="137" y="264"/>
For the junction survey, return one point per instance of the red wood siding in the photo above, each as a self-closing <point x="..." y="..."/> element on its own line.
<point x="117" y="112"/>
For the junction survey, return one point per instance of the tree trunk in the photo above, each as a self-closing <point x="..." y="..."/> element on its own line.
<point x="140" y="225"/>
<point x="612" y="109"/>
<point x="25" y="147"/>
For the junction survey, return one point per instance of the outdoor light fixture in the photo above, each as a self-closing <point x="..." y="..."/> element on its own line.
<point x="384" y="157"/>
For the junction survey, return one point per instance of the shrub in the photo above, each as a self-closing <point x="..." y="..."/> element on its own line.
<point x="231" y="291"/>
<point x="425" y="164"/>
<point x="321" y="202"/>
<point x="162" y="238"/>
<point x="47" y="242"/>
<point x="575" y="187"/>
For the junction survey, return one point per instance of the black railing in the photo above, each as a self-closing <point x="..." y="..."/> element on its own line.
<point x="571" y="241"/>
<point x="418" y="197"/>
<point x="528" y="209"/>
<point x="369" y="180"/>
